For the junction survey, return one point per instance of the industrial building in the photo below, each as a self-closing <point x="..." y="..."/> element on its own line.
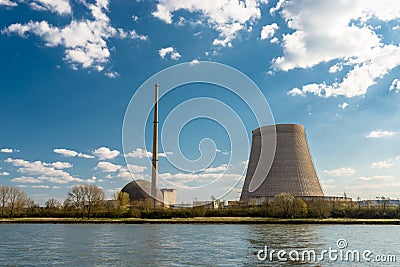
<point x="292" y="170"/>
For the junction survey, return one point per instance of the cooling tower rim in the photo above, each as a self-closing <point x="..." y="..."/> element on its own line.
<point x="279" y="128"/>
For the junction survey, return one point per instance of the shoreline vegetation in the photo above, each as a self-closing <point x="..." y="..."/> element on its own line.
<point x="200" y="220"/>
<point x="87" y="204"/>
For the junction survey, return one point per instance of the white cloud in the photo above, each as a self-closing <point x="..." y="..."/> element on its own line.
<point x="127" y="172"/>
<point x="25" y="179"/>
<point x="336" y="68"/>
<point x="163" y="52"/>
<point x="326" y="31"/>
<point x="198" y="177"/>
<point x="134" y="35"/>
<point x="343" y="105"/>
<point x="194" y="62"/>
<point x="61" y="7"/>
<point x="141" y="153"/>
<point x="60" y="165"/>
<point x="343" y="171"/>
<point x="244" y="163"/>
<point x="108" y="167"/>
<point x="395" y="86"/>
<point x="227" y="17"/>
<point x="220" y="168"/>
<point x="4" y="173"/>
<point x="40" y="186"/>
<point x="380" y="134"/>
<point x="8" y="150"/>
<point x="375" y="178"/>
<point x="225" y="152"/>
<point x="105" y="153"/>
<point x="84" y="41"/>
<point x="91" y="180"/>
<point x="382" y="165"/>
<point x="135" y="168"/>
<point x="268" y="31"/>
<point x="7" y="3"/>
<point x="45" y="171"/>
<point x="131" y="171"/>
<point x="71" y="153"/>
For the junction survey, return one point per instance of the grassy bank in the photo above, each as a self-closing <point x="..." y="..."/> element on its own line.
<point x="199" y="220"/>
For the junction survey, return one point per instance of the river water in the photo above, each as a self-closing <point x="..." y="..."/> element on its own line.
<point x="197" y="245"/>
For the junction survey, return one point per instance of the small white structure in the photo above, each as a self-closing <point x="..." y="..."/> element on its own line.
<point x="169" y="196"/>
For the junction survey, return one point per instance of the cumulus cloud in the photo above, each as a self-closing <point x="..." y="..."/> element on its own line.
<point x="26" y="179"/>
<point x="375" y="178"/>
<point x="163" y="52"/>
<point x="139" y="153"/>
<point x="61" y="7"/>
<point x="51" y="172"/>
<point x="131" y="171"/>
<point x="119" y="171"/>
<point x="227" y="17"/>
<point x="71" y="153"/>
<point x="108" y="166"/>
<point x="142" y="153"/>
<point x="60" y="165"/>
<point x="380" y="134"/>
<point x="7" y="3"/>
<point x="336" y="68"/>
<point x="105" y="153"/>
<point x="182" y="178"/>
<point x="40" y="186"/>
<point x="84" y="41"/>
<point x="382" y="165"/>
<point x="343" y="171"/>
<point x="244" y="163"/>
<point x="8" y="150"/>
<point x="4" y="173"/>
<point x="268" y="31"/>
<point x="325" y="31"/>
<point x="395" y="86"/>
<point x="220" y="168"/>
<point x="343" y="105"/>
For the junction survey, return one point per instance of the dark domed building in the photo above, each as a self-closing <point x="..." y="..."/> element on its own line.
<point x="140" y="190"/>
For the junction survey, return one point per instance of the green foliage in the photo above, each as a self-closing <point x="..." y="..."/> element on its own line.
<point x="88" y="201"/>
<point x="286" y="205"/>
<point x="122" y="203"/>
<point x="319" y="208"/>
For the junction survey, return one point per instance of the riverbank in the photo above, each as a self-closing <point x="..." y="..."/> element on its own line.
<point x="198" y="220"/>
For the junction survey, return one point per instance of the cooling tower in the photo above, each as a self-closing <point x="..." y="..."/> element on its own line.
<point x="292" y="169"/>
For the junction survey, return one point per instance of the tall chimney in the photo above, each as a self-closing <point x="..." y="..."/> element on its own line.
<point x="154" y="172"/>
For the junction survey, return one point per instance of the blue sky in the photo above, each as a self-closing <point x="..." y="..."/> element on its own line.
<point x="68" y="70"/>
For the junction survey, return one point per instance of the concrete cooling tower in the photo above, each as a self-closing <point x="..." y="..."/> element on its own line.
<point x="292" y="169"/>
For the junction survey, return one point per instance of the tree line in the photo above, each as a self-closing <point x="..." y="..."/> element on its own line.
<point x="88" y="201"/>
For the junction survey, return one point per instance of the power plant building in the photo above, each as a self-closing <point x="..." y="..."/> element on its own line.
<point x="292" y="170"/>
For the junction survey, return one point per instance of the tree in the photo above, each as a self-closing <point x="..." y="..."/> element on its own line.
<point x="319" y="208"/>
<point x="90" y="196"/>
<point x="4" y="197"/>
<point x="286" y="205"/>
<point x="95" y="198"/>
<point x="359" y="203"/>
<point x="17" y="200"/>
<point x="122" y="201"/>
<point x="77" y="198"/>
<point x="53" y="204"/>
